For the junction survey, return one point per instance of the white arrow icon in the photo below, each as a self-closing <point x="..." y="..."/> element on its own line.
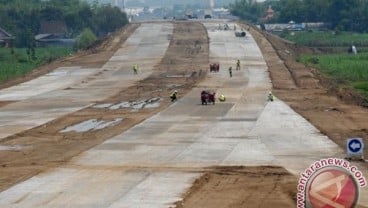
<point x="355" y="146"/>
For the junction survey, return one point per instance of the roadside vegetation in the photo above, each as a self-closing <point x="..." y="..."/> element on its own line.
<point x="327" y="38"/>
<point x="345" y="69"/>
<point x="85" y="39"/>
<point x="82" y="21"/>
<point x="24" y="18"/>
<point x="342" y="68"/>
<point x="17" y="62"/>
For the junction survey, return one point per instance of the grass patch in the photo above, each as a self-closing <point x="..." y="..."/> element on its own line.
<point x="362" y="88"/>
<point x="346" y="69"/>
<point x="16" y="62"/>
<point x="327" y="38"/>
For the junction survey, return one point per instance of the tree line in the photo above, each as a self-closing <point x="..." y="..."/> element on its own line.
<point x="23" y="18"/>
<point x="348" y="15"/>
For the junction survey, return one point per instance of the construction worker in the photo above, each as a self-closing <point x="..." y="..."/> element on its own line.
<point x="238" y="65"/>
<point x="135" y="68"/>
<point x="222" y="98"/>
<point x="173" y="96"/>
<point x="354" y="50"/>
<point x="271" y="97"/>
<point x="231" y="71"/>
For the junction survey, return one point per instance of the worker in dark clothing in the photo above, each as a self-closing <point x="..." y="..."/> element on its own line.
<point x="238" y="65"/>
<point x="173" y="96"/>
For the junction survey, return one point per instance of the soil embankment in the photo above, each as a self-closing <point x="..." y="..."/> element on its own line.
<point x="336" y="113"/>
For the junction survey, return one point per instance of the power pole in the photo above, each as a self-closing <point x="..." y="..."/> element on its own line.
<point x="212" y="4"/>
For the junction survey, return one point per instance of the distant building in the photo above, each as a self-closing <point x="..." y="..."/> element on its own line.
<point x="211" y="4"/>
<point x="292" y="26"/>
<point x="123" y="4"/>
<point x="53" y="27"/>
<point x="5" y="38"/>
<point x="53" y="33"/>
<point x="282" y="27"/>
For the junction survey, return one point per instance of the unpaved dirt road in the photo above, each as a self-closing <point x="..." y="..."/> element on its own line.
<point x="154" y="163"/>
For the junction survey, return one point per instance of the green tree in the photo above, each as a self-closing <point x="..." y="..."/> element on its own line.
<point x="51" y="13"/>
<point x="16" y="16"/>
<point x="109" y="19"/>
<point x="347" y="14"/>
<point x="85" y="39"/>
<point x="350" y="15"/>
<point x="30" y="43"/>
<point x="316" y="10"/>
<point x="246" y="9"/>
<point x="291" y="10"/>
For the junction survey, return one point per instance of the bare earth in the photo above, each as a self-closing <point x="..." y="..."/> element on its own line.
<point x="242" y="187"/>
<point x="233" y="187"/>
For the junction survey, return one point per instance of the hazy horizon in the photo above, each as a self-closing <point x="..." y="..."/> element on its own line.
<point x="164" y="2"/>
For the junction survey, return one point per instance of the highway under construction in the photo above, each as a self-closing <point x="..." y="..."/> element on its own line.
<point x="105" y="136"/>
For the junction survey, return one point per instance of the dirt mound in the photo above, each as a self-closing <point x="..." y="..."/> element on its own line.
<point x="234" y="187"/>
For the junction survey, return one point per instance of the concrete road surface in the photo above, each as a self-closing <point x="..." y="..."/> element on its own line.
<point x="153" y="163"/>
<point x="68" y="89"/>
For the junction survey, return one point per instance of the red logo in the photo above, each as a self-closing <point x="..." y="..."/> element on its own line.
<point x="332" y="187"/>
